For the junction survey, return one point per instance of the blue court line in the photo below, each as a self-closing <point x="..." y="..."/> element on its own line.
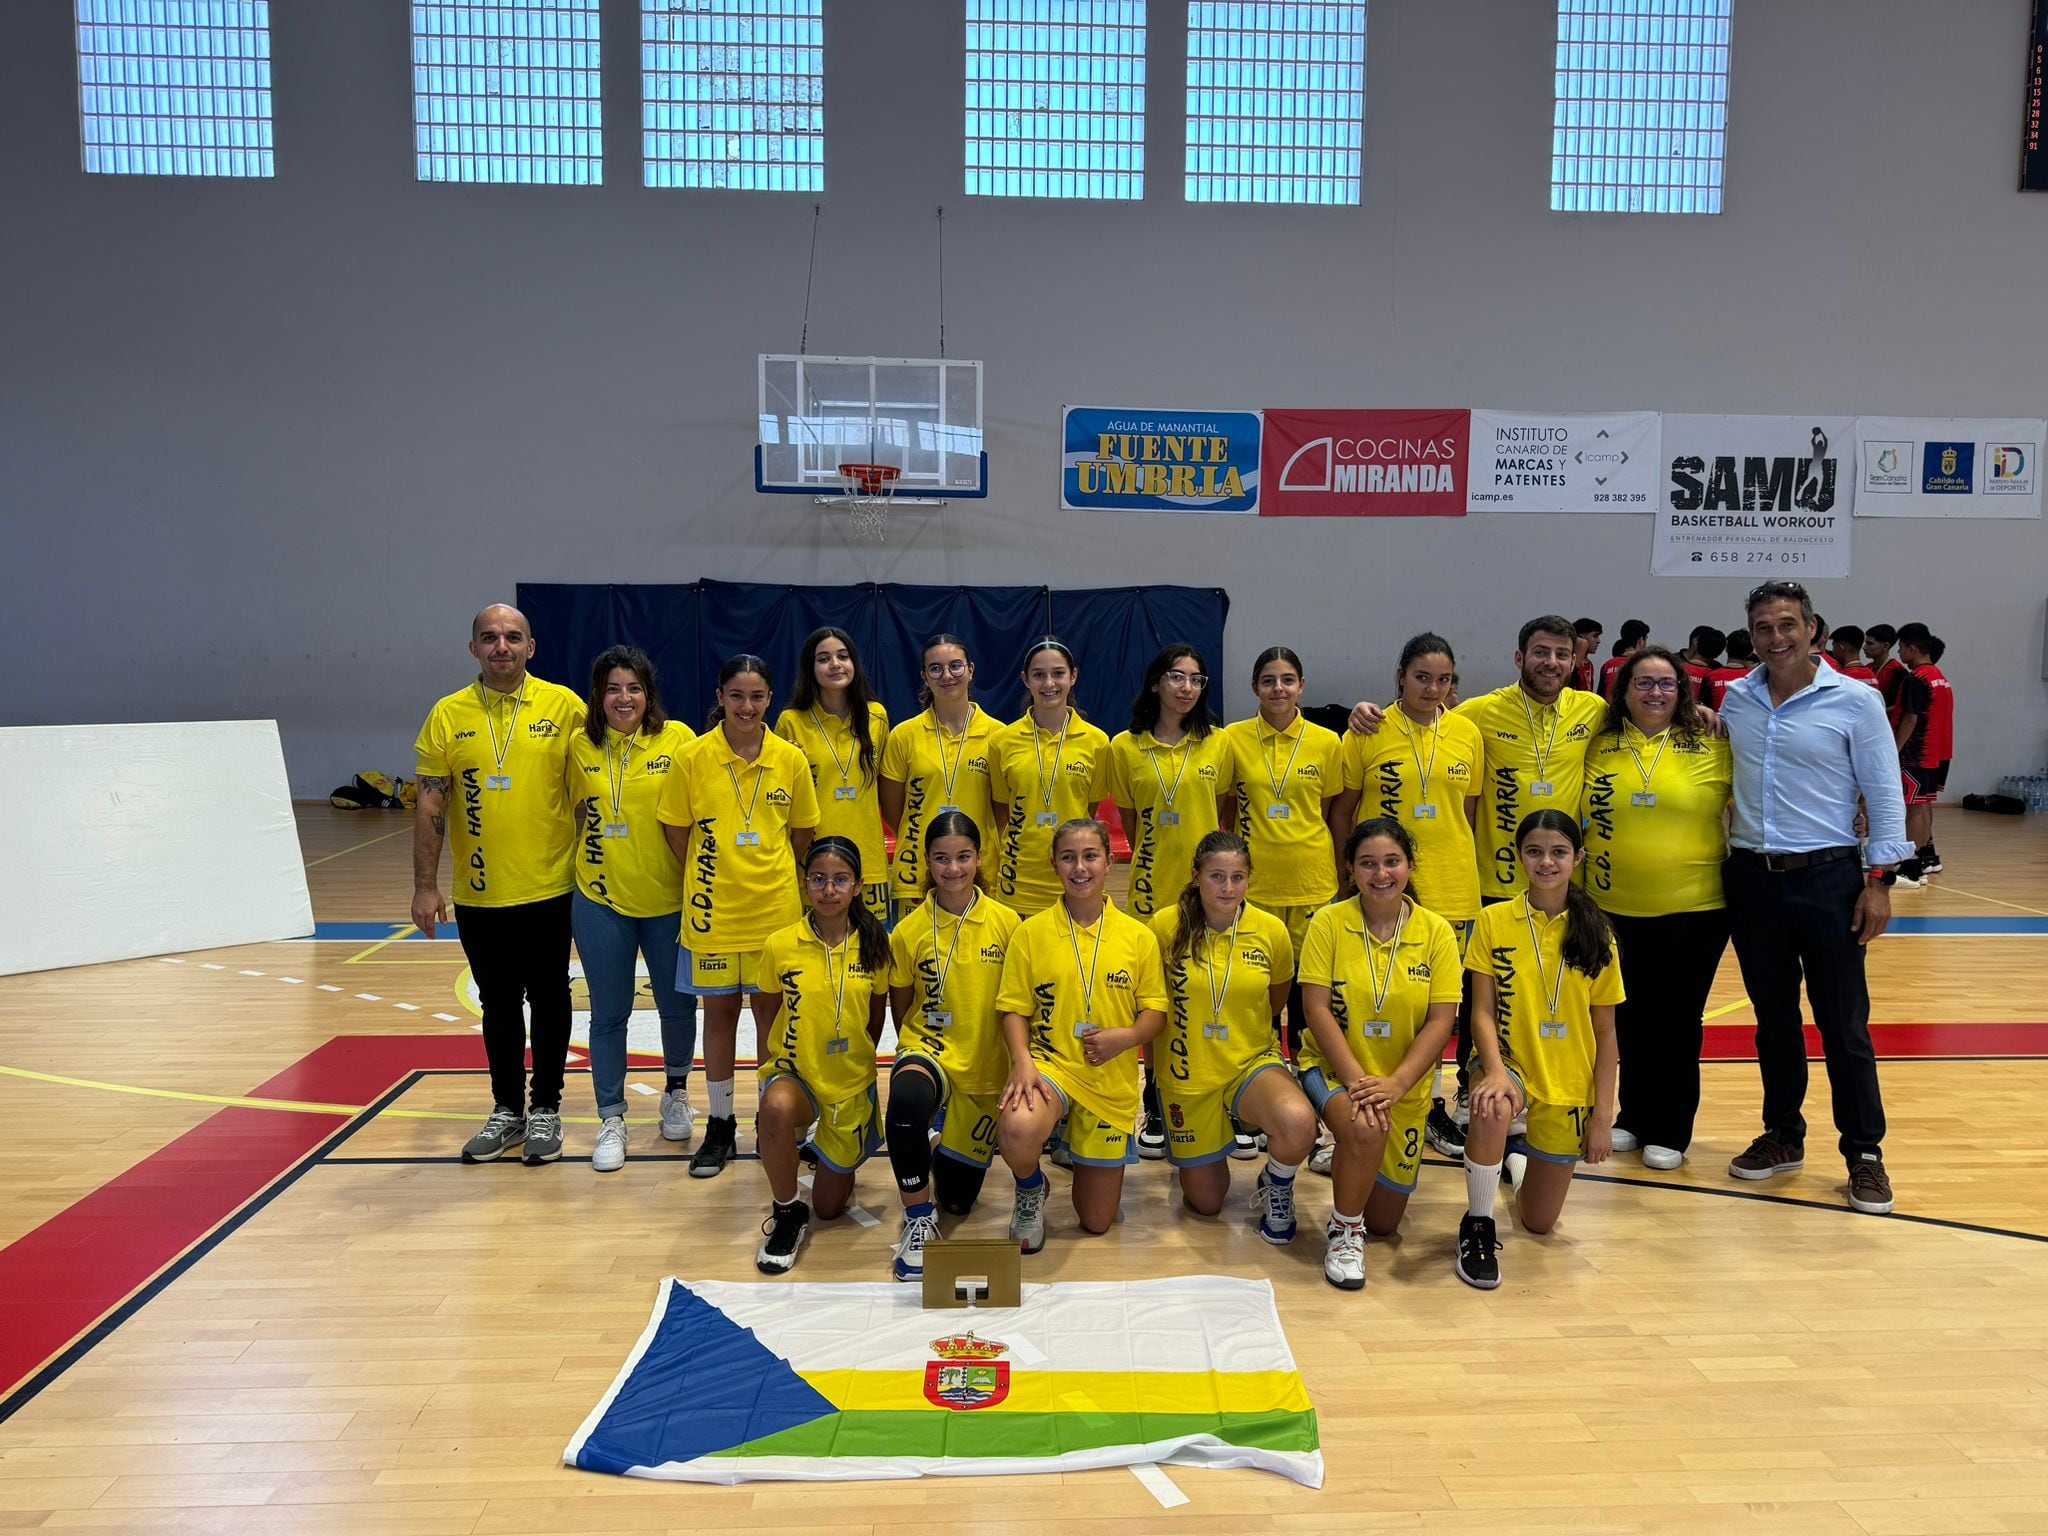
<point x="371" y="933"/>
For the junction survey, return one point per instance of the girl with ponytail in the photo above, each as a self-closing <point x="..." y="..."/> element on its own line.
<point x="1546" y="980"/>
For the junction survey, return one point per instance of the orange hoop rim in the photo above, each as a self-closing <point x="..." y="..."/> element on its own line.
<point x="870" y="479"/>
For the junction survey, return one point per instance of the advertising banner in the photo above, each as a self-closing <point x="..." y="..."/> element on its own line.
<point x="1563" y="461"/>
<point x="1757" y="496"/>
<point x="1364" y="463"/>
<point x="1159" y="461"/>
<point x="1948" y="466"/>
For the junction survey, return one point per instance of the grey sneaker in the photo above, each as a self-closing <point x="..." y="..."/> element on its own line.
<point x="1325" y="1153"/>
<point x="677" y="1123"/>
<point x="609" y="1154"/>
<point x="543" y="1137"/>
<point x="506" y="1128"/>
<point x="1027" y="1221"/>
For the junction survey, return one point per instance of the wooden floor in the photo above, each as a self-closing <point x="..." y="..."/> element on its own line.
<point x="386" y="1340"/>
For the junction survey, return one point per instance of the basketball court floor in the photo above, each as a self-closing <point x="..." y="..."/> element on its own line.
<point x="246" y="1285"/>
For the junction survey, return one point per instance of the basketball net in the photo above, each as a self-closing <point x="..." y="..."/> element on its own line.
<point x="868" y="490"/>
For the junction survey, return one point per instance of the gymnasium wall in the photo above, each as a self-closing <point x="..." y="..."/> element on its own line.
<point x="264" y="446"/>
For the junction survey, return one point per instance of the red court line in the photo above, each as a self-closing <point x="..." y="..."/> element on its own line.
<point x="1737" y="1042"/>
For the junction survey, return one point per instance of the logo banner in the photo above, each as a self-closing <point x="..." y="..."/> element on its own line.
<point x="1159" y="461"/>
<point x="1757" y="496"/>
<point x="1563" y="461"/>
<point x="1948" y="466"/>
<point x="1364" y="463"/>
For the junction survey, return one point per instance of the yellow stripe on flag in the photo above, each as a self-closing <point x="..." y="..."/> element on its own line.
<point x="1042" y="1391"/>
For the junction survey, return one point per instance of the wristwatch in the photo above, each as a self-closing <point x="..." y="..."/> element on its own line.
<point x="1883" y="877"/>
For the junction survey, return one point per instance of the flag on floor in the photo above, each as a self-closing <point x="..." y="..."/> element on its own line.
<point x="731" y="1383"/>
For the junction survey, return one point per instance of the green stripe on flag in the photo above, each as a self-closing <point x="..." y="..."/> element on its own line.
<point x="947" y="1432"/>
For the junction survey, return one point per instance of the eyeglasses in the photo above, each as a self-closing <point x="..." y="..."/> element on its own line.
<point x="1654" y="684"/>
<point x="1181" y="679"/>
<point x="946" y="668"/>
<point x="829" y="882"/>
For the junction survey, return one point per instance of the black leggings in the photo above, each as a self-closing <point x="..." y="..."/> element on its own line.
<point x="913" y="1103"/>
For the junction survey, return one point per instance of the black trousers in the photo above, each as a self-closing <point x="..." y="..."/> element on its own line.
<point x="1667" y="969"/>
<point x="520" y="955"/>
<point x="1797" y="924"/>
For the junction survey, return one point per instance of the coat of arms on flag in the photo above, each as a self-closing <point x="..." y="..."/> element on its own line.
<point x="731" y="1383"/>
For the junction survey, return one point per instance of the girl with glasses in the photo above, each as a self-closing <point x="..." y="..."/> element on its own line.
<point x="818" y="1030"/>
<point x="935" y="762"/>
<point x="843" y="730"/>
<point x="1045" y="769"/>
<point x="1658" y="783"/>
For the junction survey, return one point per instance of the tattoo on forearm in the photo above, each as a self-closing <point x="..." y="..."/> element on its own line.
<point x="439" y="821"/>
<point x="435" y="784"/>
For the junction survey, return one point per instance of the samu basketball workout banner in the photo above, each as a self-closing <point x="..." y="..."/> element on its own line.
<point x="1948" y="466"/>
<point x="1757" y="496"/>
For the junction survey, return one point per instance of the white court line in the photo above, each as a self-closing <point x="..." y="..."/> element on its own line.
<point x="1159" y="1485"/>
<point x="291" y="981"/>
<point x="170" y="960"/>
<point x="862" y="1218"/>
<point x="643" y="1088"/>
<point x="408" y="1007"/>
<point x="324" y="987"/>
<point x="447" y="1018"/>
<point x="250" y="973"/>
<point x="369" y="997"/>
<point x="208" y="965"/>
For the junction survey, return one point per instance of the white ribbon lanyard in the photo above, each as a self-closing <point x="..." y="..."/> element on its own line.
<point x="1550" y="1027"/>
<point x="501" y="779"/>
<point x="949" y="777"/>
<point x="1379" y="1026"/>
<point x="616" y="770"/>
<point x="845" y="789"/>
<point x="1278" y="809"/>
<point x="838" y="1045"/>
<point x="1047" y="816"/>
<point x="1216" y="1028"/>
<point x="1539" y="786"/>
<point x="748" y="838"/>
<point x="1087" y="1026"/>
<point x="941" y="1019"/>
<point x="1425" y="808"/>
<point x="1168" y="816"/>
<point x="1647" y="796"/>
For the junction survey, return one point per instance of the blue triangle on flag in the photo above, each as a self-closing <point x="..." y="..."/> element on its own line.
<point x="703" y="1385"/>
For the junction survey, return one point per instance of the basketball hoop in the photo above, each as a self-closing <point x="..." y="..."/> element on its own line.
<point x="868" y="489"/>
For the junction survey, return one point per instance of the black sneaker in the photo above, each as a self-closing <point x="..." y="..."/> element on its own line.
<point x="1766" y="1156"/>
<point x="1444" y="1133"/>
<point x="720" y="1146"/>
<point x="786" y="1227"/>
<point x="1930" y="861"/>
<point x="1152" y="1137"/>
<point x="1911" y="876"/>
<point x="1478" y="1252"/>
<point x="1870" y="1187"/>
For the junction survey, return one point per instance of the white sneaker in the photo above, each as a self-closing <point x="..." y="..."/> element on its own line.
<point x="917" y="1231"/>
<point x="1626" y="1141"/>
<point x="677" y="1122"/>
<point x="1344" y="1259"/>
<point x="1319" y="1160"/>
<point x="609" y="1154"/>
<point x="1027" y="1221"/>
<point x="1513" y="1169"/>
<point x="1664" y="1159"/>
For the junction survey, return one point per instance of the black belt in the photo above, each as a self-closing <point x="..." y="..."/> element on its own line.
<point x="1785" y="863"/>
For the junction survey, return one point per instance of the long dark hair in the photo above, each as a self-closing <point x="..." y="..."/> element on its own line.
<point x="1189" y="920"/>
<point x="1273" y="653"/>
<point x="874" y="938"/>
<point x="641" y="665"/>
<point x="1685" y="714"/>
<point x="732" y="669"/>
<point x="1056" y="644"/>
<point x="924" y="653"/>
<point x="1386" y="826"/>
<point x="953" y="823"/>
<point x="1588" y="936"/>
<point x="860" y="694"/>
<point x="1200" y="721"/>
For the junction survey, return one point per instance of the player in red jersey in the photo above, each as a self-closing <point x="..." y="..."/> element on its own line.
<point x="1846" y="645"/>
<point x="1585" y="640"/>
<point x="1878" y="641"/>
<point x="1701" y="656"/>
<point x="1635" y="634"/>
<point x="1925" y="733"/>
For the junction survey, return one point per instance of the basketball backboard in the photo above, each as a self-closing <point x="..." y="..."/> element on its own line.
<point x="921" y="415"/>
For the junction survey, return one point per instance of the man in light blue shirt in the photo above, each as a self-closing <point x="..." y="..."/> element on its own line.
<point x="1808" y="744"/>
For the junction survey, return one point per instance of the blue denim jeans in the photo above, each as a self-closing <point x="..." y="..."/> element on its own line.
<point x="606" y="942"/>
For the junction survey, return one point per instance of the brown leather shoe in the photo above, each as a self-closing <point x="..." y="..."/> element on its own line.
<point x="1870" y="1187"/>
<point x="1768" y="1155"/>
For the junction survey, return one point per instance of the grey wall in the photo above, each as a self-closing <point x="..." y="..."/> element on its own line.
<point x="265" y="446"/>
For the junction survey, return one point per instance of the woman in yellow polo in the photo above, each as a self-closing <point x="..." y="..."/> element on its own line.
<point x="1380" y="980"/>
<point x="1046" y="768"/>
<point x="936" y="761"/>
<point x="739" y="815"/>
<point x="839" y="725"/>
<point x="629" y="889"/>
<point x="1545" y="985"/>
<point x="1655" y="812"/>
<point x="1082" y="993"/>
<point x="818" y="1027"/>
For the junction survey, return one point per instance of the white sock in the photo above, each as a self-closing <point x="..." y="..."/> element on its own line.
<point x="1275" y="1169"/>
<point x="1351" y="1223"/>
<point x="1482" y="1186"/>
<point x="721" y="1099"/>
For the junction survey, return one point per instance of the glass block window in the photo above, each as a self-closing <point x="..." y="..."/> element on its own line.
<point x="1642" y="106"/>
<point x="175" y="87"/>
<point x="507" y="91"/>
<point x="733" y="94"/>
<point x="1276" y="102"/>
<point x="1056" y="98"/>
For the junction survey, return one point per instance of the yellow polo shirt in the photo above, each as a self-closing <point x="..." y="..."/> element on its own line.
<point x="1655" y="813"/>
<point x="1038" y="779"/>
<point x="821" y="1033"/>
<point x="1522" y="950"/>
<point x="1045" y="978"/>
<point x="1281" y="779"/>
<point x="1219" y="1018"/>
<point x="1528" y="745"/>
<point x="1421" y="777"/>
<point x="510" y="831"/>
<point x="738" y="881"/>
<point x="937" y="769"/>
<point x="1172" y="792"/>
<point x="954" y="969"/>
<point x="618" y="785"/>
<point x="848" y="805"/>
<point x="1395" y="984"/>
